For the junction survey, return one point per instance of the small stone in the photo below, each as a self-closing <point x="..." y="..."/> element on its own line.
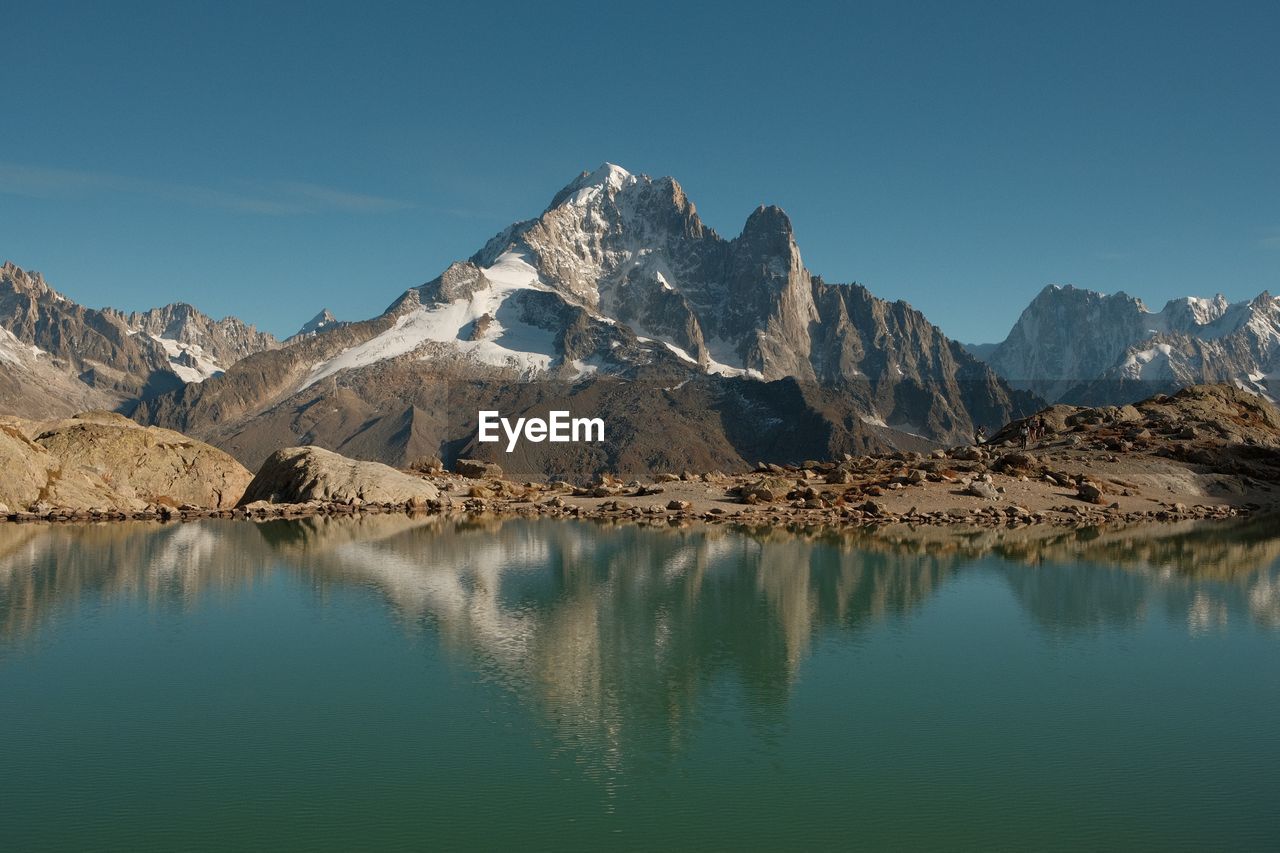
<point x="873" y="508"/>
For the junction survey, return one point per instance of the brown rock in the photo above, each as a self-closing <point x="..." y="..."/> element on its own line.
<point x="106" y="460"/>
<point x="476" y="469"/>
<point x="840" y="476"/>
<point x="768" y="489"/>
<point x="427" y="465"/>
<point x="1089" y="493"/>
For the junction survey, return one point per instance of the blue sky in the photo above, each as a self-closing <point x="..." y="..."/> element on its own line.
<point x="271" y="159"/>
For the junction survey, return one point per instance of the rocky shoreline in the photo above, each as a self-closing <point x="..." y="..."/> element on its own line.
<point x="1208" y="453"/>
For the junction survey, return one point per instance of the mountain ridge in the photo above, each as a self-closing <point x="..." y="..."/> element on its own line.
<point x="58" y="357"/>
<point x="1081" y="346"/>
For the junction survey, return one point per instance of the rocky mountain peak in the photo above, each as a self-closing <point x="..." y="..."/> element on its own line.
<point x="1191" y="312"/>
<point x="318" y="323"/>
<point x="769" y="229"/>
<point x="1069" y="294"/>
<point x="606" y="179"/>
<point x="197" y="345"/>
<point x="32" y="283"/>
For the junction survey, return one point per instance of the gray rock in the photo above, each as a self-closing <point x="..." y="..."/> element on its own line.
<point x="300" y="474"/>
<point x="984" y="490"/>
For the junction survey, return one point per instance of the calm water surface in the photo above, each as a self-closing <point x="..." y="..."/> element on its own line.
<point x="399" y="683"/>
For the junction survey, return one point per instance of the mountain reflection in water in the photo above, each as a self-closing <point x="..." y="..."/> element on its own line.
<point x="591" y="615"/>
<point x="392" y="682"/>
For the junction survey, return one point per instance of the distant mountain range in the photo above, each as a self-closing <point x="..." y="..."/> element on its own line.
<point x="57" y="357"/>
<point x="616" y="301"/>
<point x="1078" y="346"/>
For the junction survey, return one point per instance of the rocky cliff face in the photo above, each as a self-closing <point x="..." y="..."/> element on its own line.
<point x="1079" y="346"/>
<point x="37" y="385"/>
<point x="57" y="357"/>
<point x="618" y="282"/>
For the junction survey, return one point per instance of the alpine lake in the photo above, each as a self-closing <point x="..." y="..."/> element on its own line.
<point x="390" y="682"/>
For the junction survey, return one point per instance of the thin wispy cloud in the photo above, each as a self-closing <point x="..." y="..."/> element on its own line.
<point x="332" y="199"/>
<point x="277" y="198"/>
<point x="1271" y="239"/>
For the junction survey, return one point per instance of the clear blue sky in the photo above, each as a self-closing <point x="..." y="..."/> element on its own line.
<point x="271" y="159"/>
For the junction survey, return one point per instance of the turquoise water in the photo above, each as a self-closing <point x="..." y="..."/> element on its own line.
<point x="396" y="683"/>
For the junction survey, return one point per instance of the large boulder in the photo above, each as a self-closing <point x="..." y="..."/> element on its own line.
<point x="478" y="469"/>
<point x="105" y="460"/>
<point x="301" y="474"/>
<point x="767" y="489"/>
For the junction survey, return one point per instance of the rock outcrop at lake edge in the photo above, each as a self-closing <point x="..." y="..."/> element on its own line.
<point x="298" y="475"/>
<point x="104" y="461"/>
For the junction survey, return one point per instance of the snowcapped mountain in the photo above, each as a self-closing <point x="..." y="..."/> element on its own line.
<point x="617" y="289"/>
<point x="1080" y="346"/>
<point x="85" y="358"/>
<point x="320" y="322"/>
<point x="197" y="345"/>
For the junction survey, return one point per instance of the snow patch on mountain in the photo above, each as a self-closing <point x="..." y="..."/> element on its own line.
<point x="682" y="354"/>
<point x="189" y="362"/>
<point x="724" y="361"/>
<point x="585" y="367"/>
<point x="15" y="351"/>
<point x="588" y="186"/>
<point x="1150" y="363"/>
<point x="477" y="327"/>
